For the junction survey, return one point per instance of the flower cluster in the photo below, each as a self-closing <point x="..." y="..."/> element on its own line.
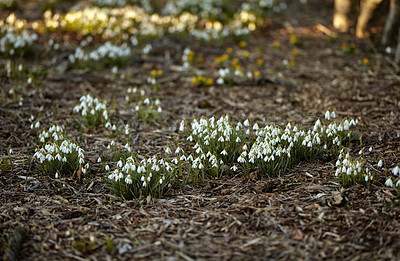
<point x="108" y="54"/>
<point x="55" y="134"/>
<point x="148" y="177"/>
<point x="93" y="111"/>
<point x="13" y="42"/>
<point x="148" y="110"/>
<point x="352" y="170"/>
<point x="270" y="149"/>
<point x="217" y="142"/>
<point x="394" y="180"/>
<point x="65" y="158"/>
<point x="19" y="73"/>
<point x="276" y="149"/>
<point x="201" y="80"/>
<point x="14" y="39"/>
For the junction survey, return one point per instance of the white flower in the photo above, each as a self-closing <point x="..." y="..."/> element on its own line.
<point x="380" y="163"/>
<point x="10" y="151"/>
<point x="255" y="126"/>
<point x="99" y="160"/>
<point x="327" y="115"/>
<point x="246" y="123"/>
<point x="146" y="101"/>
<point x="167" y="150"/>
<point x="234" y="168"/>
<point x="224" y="152"/>
<point x="389" y="183"/>
<point x="396" y="170"/>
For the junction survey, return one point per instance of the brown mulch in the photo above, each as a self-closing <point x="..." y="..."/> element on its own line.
<point x="303" y="215"/>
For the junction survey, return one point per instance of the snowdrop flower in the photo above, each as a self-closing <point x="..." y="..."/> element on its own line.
<point x="224" y="152"/>
<point x="246" y="123"/>
<point x="389" y="183"/>
<point x="327" y="115"/>
<point x="380" y="163"/>
<point x="146" y="101"/>
<point x="396" y="170"/>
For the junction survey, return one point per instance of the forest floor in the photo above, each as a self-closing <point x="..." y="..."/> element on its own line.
<point x="304" y="214"/>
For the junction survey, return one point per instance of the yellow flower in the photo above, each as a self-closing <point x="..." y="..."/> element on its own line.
<point x="200" y="59"/>
<point x="243" y="44"/>
<point x="293" y="39"/>
<point x="295" y="52"/>
<point x="202" y="79"/>
<point x="237" y="67"/>
<point x="235" y="61"/>
<point x="344" y="45"/>
<point x="218" y="60"/>
<point x="159" y="72"/>
<point x="246" y="54"/>
<point x="225" y="57"/>
<point x="292" y="63"/>
<point x="276" y="44"/>
<point x="256" y="74"/>
<point x="153" y="72"/>
<point x="210" y="81"/>
<point x="260" y="62"/>
<point x="229" y="50"/>
<point x="365" y="61"/>
<point x="194" y="80"/>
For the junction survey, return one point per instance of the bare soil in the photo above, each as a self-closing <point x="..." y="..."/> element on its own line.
<point x="303" y="215"/>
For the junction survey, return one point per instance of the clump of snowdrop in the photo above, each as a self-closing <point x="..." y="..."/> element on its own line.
<point x="135" y="178"/>
<point x="55" y="134"/>
<point x="353" y="170"/>
<point x="14" y="38"/>
<point x="393" y="180"/>
<point x="276" y="149"/>
<point x="271" y="149"/>
<point x="21" y="74"/>
<point x="14" y="43"/>
<point x="108" y="55"/>
<point x="61" y="159"/>
<point x="135" y="94"/>
<point x="148" y="110"/>
<point x="217" y="142"/>
<point x="93" y="111"/>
